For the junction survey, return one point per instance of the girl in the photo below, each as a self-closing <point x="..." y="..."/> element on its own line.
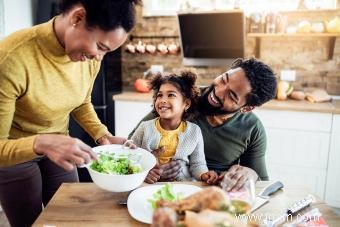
<point x="175" y="98"/>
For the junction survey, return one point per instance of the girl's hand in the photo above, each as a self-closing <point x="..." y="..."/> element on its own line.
<point x="157" y="152"/>
<point x="209" y="177"/>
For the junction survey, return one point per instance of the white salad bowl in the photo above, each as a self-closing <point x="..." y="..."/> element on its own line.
<point x="122" y="183"/>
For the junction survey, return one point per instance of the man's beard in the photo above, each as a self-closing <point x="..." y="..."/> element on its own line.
<point x="205" y="108"/>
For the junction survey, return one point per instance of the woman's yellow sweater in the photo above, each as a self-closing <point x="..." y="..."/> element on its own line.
<point x="39" y="88"/>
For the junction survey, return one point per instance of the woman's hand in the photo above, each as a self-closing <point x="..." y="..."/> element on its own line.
<point x="110" y="139"/>
<point x="65" y="151"/>
<point x="210" y="177"/>
<point x="238" y="175"/>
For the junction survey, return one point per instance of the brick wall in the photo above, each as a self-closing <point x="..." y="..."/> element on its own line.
<point x="309" y="56"/>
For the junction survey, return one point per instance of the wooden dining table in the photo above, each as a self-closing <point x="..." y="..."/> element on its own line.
<point x="85" y="204"/>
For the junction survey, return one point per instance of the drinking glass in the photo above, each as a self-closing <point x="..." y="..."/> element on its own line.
<point x="242" y="199"/>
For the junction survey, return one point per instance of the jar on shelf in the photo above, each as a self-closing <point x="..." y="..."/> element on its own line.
<point x="281" y="23"/>
<point x="318" y="27"/>
<point x="256" y="23"/>
<point x="271" y="22"/>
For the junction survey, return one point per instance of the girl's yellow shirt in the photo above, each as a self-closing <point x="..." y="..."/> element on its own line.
<point x="169" y="141"/>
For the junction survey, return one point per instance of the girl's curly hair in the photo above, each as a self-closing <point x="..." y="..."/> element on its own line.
<point x="185" y="83"/>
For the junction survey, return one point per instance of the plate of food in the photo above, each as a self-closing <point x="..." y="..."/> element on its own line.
<point x="209" y="207"/>
<point x="141" y="202"/>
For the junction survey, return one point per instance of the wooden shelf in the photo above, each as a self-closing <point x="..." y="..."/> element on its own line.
<point x="310" y="11"/>
<point x="259" y="36"/>
<point x="264" y="35"/>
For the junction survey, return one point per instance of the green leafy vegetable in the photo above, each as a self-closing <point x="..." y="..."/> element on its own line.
<point x="116" y="164"/>
<point x="165" y="193"/>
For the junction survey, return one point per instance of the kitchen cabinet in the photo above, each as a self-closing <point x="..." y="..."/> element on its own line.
<point x="333" y="174"/>
<point x="298" y="146"/>
<point x="128" y="114"/>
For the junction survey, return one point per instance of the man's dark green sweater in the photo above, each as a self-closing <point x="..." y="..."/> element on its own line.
<point x="241" y="139"/>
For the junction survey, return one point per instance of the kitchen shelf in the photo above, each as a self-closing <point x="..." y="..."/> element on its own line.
<point x="263" y="35"/>
<point x="259" y="36"/>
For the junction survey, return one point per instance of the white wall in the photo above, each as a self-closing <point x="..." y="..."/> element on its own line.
<point x="14" y="15"/>
<point x="17" y="14"/>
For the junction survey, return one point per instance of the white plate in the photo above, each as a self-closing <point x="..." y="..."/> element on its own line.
<point x="139" y="207"/>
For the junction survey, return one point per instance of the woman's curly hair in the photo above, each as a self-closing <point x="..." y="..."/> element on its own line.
<point x="106" y="14"/>
<point x="185" y="83"/>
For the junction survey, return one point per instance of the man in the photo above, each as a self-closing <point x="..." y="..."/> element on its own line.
<point x="234" y="138"/>
<point x="47" y="74"/>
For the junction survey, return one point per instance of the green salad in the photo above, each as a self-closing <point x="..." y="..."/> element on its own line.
<point x="120" y="164"/>
<point x="165" y="193"/>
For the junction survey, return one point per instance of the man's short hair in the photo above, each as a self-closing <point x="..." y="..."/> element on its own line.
<point x="262" y="80"/>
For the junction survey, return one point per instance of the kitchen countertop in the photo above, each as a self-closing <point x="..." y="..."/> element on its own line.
<point x="325" y="107"/>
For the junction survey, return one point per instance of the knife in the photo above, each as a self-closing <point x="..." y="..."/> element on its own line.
<point x="263" y="197"/>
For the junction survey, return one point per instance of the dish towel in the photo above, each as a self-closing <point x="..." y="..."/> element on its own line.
<point x="318" y="95"/>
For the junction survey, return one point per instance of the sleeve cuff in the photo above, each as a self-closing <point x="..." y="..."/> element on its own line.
<point x="197" y="173"/>
<point x="18" y="151"/>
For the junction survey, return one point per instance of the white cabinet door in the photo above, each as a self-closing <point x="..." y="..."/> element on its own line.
<point x="297" y="147"/>
<point x="295" y="120"/>
<point x="333" y="172"/>
<point x="128" y="114"/>
<point x="298" y="157"/>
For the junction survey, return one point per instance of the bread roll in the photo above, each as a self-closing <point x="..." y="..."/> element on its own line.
<point x="297" y="95"/>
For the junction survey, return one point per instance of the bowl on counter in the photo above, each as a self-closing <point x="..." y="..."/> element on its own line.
<point x="122" y="182"/>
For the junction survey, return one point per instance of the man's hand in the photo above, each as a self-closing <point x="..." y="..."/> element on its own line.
<point x="238" y="175"/>
<point x="65" y="151"/>
<point x="154" y="175"/>
<point x="209" y="177"/>
<point x="171" y="170"/>
<point x="110" y="139"/>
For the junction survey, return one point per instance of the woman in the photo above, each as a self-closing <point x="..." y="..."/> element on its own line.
<point x="46" y="74"/>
